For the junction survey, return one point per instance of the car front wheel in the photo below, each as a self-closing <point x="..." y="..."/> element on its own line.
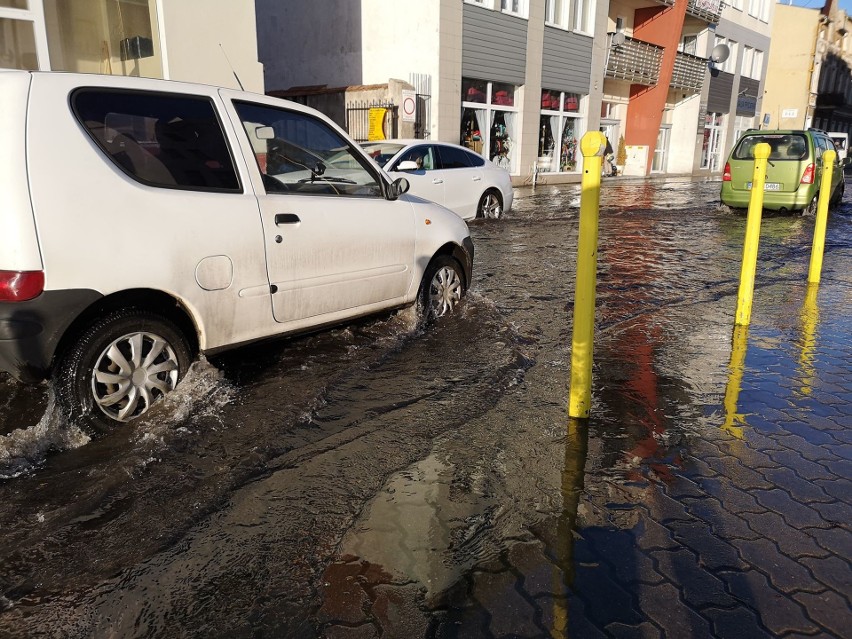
<point x="442" y="288"/>
<point x="118" y="367"/>
<point x="490" y="206"/>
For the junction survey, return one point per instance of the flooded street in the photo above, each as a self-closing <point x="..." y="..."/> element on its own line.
<point x="374" y="480"/>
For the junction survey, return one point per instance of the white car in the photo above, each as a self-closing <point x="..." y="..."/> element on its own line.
<point x="190" y="219"/>
<point x="448" y="174"/>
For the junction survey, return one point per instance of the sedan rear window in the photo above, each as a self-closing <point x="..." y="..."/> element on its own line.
<point x="791" y="146"/>
<point x="160" y="139"/>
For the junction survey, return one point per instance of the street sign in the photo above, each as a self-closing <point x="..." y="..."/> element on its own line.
<point x="409" y="106"/>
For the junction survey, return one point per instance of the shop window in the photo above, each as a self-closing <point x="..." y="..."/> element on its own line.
<point x="96" y="36"/>
<point x="19" y="46"/>
<point x="502" y="94"/>
<point x="489" y="121"/>
<point x="558" y="131"/>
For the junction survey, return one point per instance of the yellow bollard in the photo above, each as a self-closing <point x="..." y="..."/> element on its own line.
<point x="809" y="318"/>
<point x="592" y="146"/>
<point x="752" y="235"/>
<point x="818" y="247"/>
<point x="734" y="421"/>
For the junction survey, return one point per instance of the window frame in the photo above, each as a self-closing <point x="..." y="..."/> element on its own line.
<point x="523" y="10"/>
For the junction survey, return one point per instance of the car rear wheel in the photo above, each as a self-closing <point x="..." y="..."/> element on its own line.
<point x="490" y="205"/>
<point x="811" y="209"/>
<point x="119" y="367"/>
<point x="442" y="288"/>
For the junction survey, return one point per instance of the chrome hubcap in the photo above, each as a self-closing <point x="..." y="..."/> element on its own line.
<point x="131" y="373"/>
<point x="445" y="291"/>
<point x="491" y="207"/>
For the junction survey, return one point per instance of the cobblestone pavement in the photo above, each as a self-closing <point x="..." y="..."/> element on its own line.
<point x="725" y="512"/>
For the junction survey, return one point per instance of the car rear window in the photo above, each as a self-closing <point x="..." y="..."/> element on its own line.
<point x="787" y="146"/>
<point x="381" y="152"/>
<point x="160" y="139"/>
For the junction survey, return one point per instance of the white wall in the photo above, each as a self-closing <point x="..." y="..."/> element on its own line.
<point x="684" y="136"/>
<point x="191" y="32"/>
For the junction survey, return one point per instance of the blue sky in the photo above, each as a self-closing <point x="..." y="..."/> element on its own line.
<point x="846" y="5"/>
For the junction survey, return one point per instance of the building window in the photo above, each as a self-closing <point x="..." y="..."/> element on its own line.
<point x="490" y="120"/>
<point x="112" y="37"/>
<point x="556" y="13"/>
<point x="757" y="69"/>
<point x="689" y="44"/>
<point x="748" y="62"/>
<point x="514" y="7"/>
<point x="560" y="129"/>
<point x="18" y="49"/>
<point x="583" y="16"/>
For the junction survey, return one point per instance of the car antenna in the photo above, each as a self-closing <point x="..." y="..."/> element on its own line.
<point x="232" y="67"/>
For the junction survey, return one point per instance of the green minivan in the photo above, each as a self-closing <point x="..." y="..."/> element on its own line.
<point x="793" y="173"/>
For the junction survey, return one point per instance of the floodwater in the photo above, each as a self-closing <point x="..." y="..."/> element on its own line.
<point x="410" y="464"/>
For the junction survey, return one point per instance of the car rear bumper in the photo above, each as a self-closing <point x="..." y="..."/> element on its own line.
<point x="772" y="200"/>
<point x="30" y="331"/>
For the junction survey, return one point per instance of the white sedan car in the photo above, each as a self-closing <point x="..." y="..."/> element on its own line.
<point x="448" y="174"/>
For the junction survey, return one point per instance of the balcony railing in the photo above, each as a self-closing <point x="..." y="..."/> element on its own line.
<point x="707" y="10"/>
<point x="688" y="72"/>
<point x="633" y="60"/>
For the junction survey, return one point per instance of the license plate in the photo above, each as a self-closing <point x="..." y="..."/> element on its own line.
<point x="767" y="186"/>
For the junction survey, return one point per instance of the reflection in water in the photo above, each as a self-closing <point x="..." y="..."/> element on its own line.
<point x="573" y="474"/>
<point x="809" y="318"/>
<point x="734" y="422"/>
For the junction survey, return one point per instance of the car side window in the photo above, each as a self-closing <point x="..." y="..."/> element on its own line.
<point x="298" y="153"/>
<point x="165" y="140"/>
<point x="422" y="155"/>
<point x="475" y="159"/>
<point x="453" y="158"/>
<point x="819" y="147"/>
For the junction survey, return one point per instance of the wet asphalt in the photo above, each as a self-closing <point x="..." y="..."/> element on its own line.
<point x="379" y="481"/>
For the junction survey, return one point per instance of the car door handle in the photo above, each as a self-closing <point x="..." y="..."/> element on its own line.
<point x="286" y="218"/>
<point x="477" y="178"/>
<point x="437" y="181"/>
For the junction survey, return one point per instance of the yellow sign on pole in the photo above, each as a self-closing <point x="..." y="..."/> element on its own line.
<point x="377" y="124"/>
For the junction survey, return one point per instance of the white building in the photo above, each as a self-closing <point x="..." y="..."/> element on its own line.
<point x="207" y="41"/>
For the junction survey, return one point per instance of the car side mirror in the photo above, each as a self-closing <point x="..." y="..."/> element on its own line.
<point x="407" y="165"/>
<point x="397" y="188"/>
<point x="845" y="162"/>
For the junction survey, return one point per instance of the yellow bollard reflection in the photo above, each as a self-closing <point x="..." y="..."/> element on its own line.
<point x="592" y="146"/>
<point x="752" y="235"/>
<point x="809" y="318"/>
<point x="734" y="421"/>
<point x="573" y="482"/>
<point x="818" y="246"/>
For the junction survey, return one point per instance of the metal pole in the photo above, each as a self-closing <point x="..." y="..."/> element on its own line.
<point x="592" y="147"/>
<point x="818" y="246"/>
<point x="752" y="235"/>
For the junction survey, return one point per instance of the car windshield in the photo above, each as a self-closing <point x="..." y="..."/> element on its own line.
<point x="787" y="146"/>
<point x="381" y="152"/>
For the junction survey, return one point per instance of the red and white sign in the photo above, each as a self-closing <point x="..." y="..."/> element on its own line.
<point x="409" y="106"/>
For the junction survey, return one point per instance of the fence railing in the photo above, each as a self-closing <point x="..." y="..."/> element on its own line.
<point x="707" y="10"/>
<point x="358" y="119"/>
<point x="688" y="72"/>
<point x="633" y="60"/>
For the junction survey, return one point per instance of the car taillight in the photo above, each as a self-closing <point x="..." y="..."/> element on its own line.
<point x="726" y="176"/>
<point x="808" y="175"/>
<point x="19" y="286"/>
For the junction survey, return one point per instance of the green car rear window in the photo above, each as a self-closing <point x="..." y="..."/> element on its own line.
<point x="788" y="146"/>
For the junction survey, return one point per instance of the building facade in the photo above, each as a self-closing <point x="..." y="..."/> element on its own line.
<point x="809" y="83"/>
<point x="207" y="41"/>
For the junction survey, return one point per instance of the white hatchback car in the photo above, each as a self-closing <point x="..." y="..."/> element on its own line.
<point x="448" y="174"/>
<point x="144" y="221"/>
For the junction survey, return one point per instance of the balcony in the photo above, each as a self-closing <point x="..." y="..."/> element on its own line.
<point x="633" y="60"/>
<point x="707" y="10"/>
<point x="688" y="72"/>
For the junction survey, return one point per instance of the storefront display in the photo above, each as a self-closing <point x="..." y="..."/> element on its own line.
<point x="489" y="120"/>
<point x="559" y="121"/>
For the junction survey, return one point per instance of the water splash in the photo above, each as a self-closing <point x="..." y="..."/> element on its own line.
<point x="24" y="449"/>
